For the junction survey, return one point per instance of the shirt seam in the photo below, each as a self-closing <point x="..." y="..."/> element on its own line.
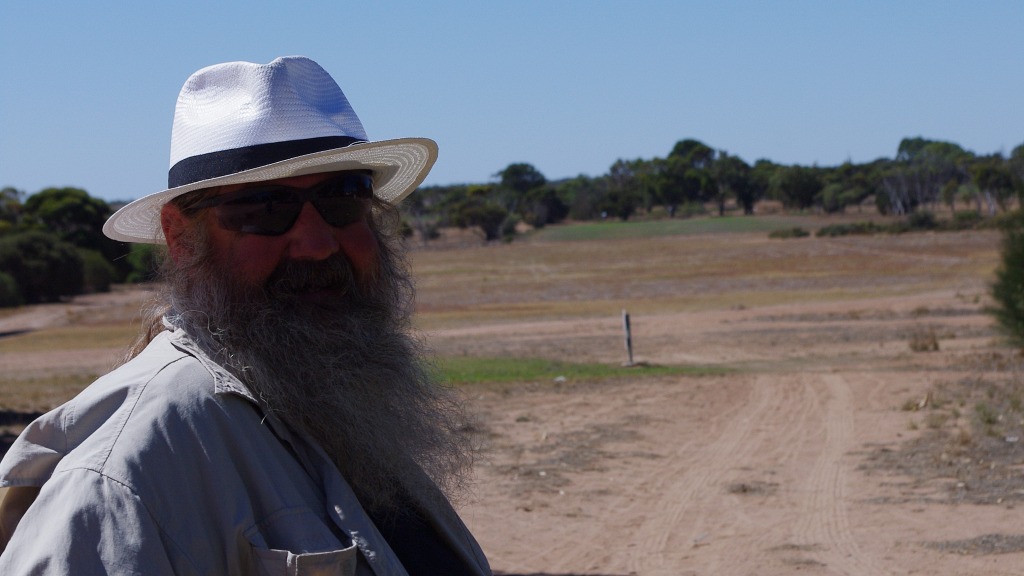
<point x="145" y="506"/>
<point x="128" y="415"/>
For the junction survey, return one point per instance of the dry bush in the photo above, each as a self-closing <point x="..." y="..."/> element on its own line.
<point x="924" y="340"/>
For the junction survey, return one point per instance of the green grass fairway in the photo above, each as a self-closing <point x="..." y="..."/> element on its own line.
<point x="616" y="230"/>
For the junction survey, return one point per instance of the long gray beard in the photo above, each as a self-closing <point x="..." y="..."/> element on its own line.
<point x="350" y="374"/>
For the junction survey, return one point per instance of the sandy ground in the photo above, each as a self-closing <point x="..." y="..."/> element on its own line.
<point x="760" y="471"/>
<point x="763" y="469"/>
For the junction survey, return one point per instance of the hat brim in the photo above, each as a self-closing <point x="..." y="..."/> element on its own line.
<point x="398" y="166"/>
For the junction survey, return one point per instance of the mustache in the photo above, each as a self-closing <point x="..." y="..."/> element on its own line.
<point x="293" y="277"/>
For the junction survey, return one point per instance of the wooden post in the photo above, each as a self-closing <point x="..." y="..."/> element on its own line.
<point x="629" y="338"/>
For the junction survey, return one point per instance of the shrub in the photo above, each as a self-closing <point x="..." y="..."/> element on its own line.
<point x="795" y="232"/>
<point x="917" y="222"/>
<point x="405" y="230"/>
<point x="1008" y="288"/>
<point x="924" y="341"/>
<point x="43" y="267"/>
<point x="966" y="219"/>
<point x="489" y="217"/>
<point x="10" y="296"/>
<point x="508" y="229"/>
<point x="922" y="220"/>
<point x="97" y="273"/>
<point x="855" y="228"/>
<point x="145" y="262"/>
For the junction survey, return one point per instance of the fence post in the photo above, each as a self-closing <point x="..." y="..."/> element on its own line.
<point x="629" y="337"/>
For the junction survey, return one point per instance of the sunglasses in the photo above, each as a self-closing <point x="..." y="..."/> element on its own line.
<point x="272" y="210"/>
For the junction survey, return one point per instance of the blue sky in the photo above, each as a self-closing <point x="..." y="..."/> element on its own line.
<point x="87" y="89"/>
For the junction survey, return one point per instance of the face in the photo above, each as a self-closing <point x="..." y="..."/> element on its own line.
<point x="253" y="258"/>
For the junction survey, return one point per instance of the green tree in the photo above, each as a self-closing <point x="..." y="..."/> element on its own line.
<point x="77" y="218"/>
<point x="71" y="214"/>
<point x="683" y="184"/>
<point x="11" y="205"/>
<point x="797" y="186"/>
<point x="845" y="185"/>
<point x="640" y="178"/>
<point x="583" y="195"/>
<point x="995" y="181"/>
<point x="622" y="175"/>
<point x="693" y="153"/>
<point x="516" y="181"/>
<point x="831" y="198"/>
<point x="478" y="210"/>
<point x="521" y="177"/>
<point x="762" y="174"/>
<point x="10" y="295"/>
<point x="1008" y="288"/>
<point x="733" y="179"/>
<point x="543" y="206"/>
<point x="686" y="176"/>
<point x="97" y="273"/>
<point x="649" y="175"/>
<point x="426" y="210"/>
<point x="44" y="267"/>
<point x="490" y="218"/>
<point x="921" y="170"/>
<point x="619" y="203"/>
<point x="627" y="188"/>
<point x="676" y="184"/>
<point x="1016" y="162"/>
<point x="950" y="193"/>
<point x="145" y="262"/>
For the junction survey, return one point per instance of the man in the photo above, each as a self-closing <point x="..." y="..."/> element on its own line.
<point x="276" y="416"/>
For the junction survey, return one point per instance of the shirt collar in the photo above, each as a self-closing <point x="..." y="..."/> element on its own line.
<point x="224" y="382"/>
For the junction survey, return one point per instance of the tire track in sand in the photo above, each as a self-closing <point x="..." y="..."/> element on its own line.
<point x="823" y="524"/>
<point x="683" y="517"/>
<point x="676" y="511"/>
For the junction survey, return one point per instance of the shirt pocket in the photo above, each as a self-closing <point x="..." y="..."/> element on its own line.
<point x="297" y="542"/>
<point x="272" y="562"/>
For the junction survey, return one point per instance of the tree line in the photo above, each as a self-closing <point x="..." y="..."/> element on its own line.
<point x="52" y="246"/>
<point x="695" y="178"/>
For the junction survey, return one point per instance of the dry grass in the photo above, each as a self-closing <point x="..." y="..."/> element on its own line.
<point x="972" y="440"/>
<point x="538" y="280"/>
<point x="38" y="394"/>
<point x="82" y="337"/>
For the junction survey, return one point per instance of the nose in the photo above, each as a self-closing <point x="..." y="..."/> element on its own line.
<point x="311" y="238"/>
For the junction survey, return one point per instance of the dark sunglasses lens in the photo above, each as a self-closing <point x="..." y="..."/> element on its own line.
<point x="340" y="212"/>
<point x="265" y="211"/>
<point x="272" y="210"/>
<point x="345" y="200"/>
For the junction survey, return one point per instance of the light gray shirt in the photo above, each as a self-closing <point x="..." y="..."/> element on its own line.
<point x="167" y="465"/>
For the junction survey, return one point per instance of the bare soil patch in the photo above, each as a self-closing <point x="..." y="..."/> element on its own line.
<point x="844" y="436"/>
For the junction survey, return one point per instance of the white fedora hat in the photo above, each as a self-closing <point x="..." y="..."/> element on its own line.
<point x="241" y="122"/>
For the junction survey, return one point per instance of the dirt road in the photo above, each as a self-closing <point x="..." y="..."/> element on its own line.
<point x="759" y="471"/>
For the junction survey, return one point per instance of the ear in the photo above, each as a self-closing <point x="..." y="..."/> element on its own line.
<point x="174" y="224"/>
